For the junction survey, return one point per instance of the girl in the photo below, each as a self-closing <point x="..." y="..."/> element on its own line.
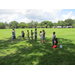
<point x="43" y="36"/>
<point x="40" y="36"/>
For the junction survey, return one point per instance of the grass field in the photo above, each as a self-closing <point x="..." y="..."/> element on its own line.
<point x="30" y="52"/>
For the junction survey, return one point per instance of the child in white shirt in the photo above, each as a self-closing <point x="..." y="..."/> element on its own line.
<point x="40" y="36"/>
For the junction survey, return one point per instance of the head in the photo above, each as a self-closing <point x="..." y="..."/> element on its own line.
<point x="35" y="29"/>
<point x="55" y="39"/>
<point x="43" y="30"/>
<point x="31" y="30"/>
<point x="27" y="30"/>
<point x="53" y="33"/>
<point x="40" y="31"/>
<point x="13" y="28"/>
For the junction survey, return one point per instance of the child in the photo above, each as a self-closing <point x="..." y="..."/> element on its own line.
<point x="23" y="34"/>
<point x="55" y="43"/>
<point x="43" y="36"/>
<point x="28" y="34"/>
<point x="40" y="36"/>
<point x="32" y="34"/>
<point x="35" y="34"/>
<point x="13" y="35"/>
<point x="53" y="37"/>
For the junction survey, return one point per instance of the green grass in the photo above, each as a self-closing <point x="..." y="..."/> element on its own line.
<point x="30" y="52"/>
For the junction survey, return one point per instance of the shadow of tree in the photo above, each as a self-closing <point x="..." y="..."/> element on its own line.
<point x="35" y="53"/>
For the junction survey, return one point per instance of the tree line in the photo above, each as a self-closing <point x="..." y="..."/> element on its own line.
<point x="43" y="24"/>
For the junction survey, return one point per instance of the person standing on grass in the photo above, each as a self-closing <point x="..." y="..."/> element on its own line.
<point x="53" y="37"/>
<point x="40" y="36"/>
<point x="28" y="34"/>
<point x="43" y="36"/>
<point x="32" y="34"/>
<point x="35" y="34"/>
<point x="13" y="35"/>
<point x="23" y="34"/>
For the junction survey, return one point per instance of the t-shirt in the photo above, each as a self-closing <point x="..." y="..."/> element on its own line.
<point x="53" y="37"/>
<point x="35" y="33"/>
<point x="13" y="33"/>
<point x="56" y="42"/>
<point x="31" y="33"/>
<point x="40" y="34"/>
<point x="43" y="34"/>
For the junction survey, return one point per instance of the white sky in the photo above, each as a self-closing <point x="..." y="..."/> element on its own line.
<point x="27" y="15"/>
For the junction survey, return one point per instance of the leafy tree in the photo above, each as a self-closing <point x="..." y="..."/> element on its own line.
<point x="69" y="22"/>
<point x="35" y="24"/>
<point x="13" y="24"/>
<point x="73" y="25"/>
<point x="2" y="25"/>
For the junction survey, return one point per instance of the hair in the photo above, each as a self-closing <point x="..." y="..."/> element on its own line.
<point x="31" y="30"/>
<point x="40" y="31"/>
<point x="35" y="29"/>
<point x="53" y="32"/>
<point x="27" y="30"/>
<point x="43" y="30"/>
<point x="55" y="39"/>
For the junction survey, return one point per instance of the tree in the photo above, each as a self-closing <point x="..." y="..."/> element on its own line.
<point x="69" y="22"/>
<point x="13" y="24"/>
<point x="35" y="24"/>
<point x="2" y="25"/>
<point x="73" y="25"/>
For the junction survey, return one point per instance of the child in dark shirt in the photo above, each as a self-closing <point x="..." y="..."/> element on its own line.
<point x="55" y="43"/>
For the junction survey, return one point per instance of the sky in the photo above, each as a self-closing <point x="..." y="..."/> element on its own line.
<point x="28" y="15"/>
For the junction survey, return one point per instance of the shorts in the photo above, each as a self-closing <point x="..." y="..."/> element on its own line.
<point x="28" y="36"/>
<point x="13" y="37"/>
<point x="40" y="37"/>
<point x="22" y="35"/>
<point x="43" y="38"/>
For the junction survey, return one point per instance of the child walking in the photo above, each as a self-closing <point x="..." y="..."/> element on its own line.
<point x="40" y="36"/>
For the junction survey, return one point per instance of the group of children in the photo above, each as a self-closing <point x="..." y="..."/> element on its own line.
<point x="42" y="36"/>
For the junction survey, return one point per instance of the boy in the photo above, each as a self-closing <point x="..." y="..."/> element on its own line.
<point x="53" y="37"/>
<point x="35" y="34"/>
<point x="28" y="34"/>
<point x="40" y="36"/>
<point x="55" y="43"/>
<point x="13" y="35"/>
<point x="23" y="34"/>
<point x="32" y="34"/>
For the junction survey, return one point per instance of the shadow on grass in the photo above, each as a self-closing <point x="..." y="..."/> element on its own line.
<point x="35" y="53"/>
